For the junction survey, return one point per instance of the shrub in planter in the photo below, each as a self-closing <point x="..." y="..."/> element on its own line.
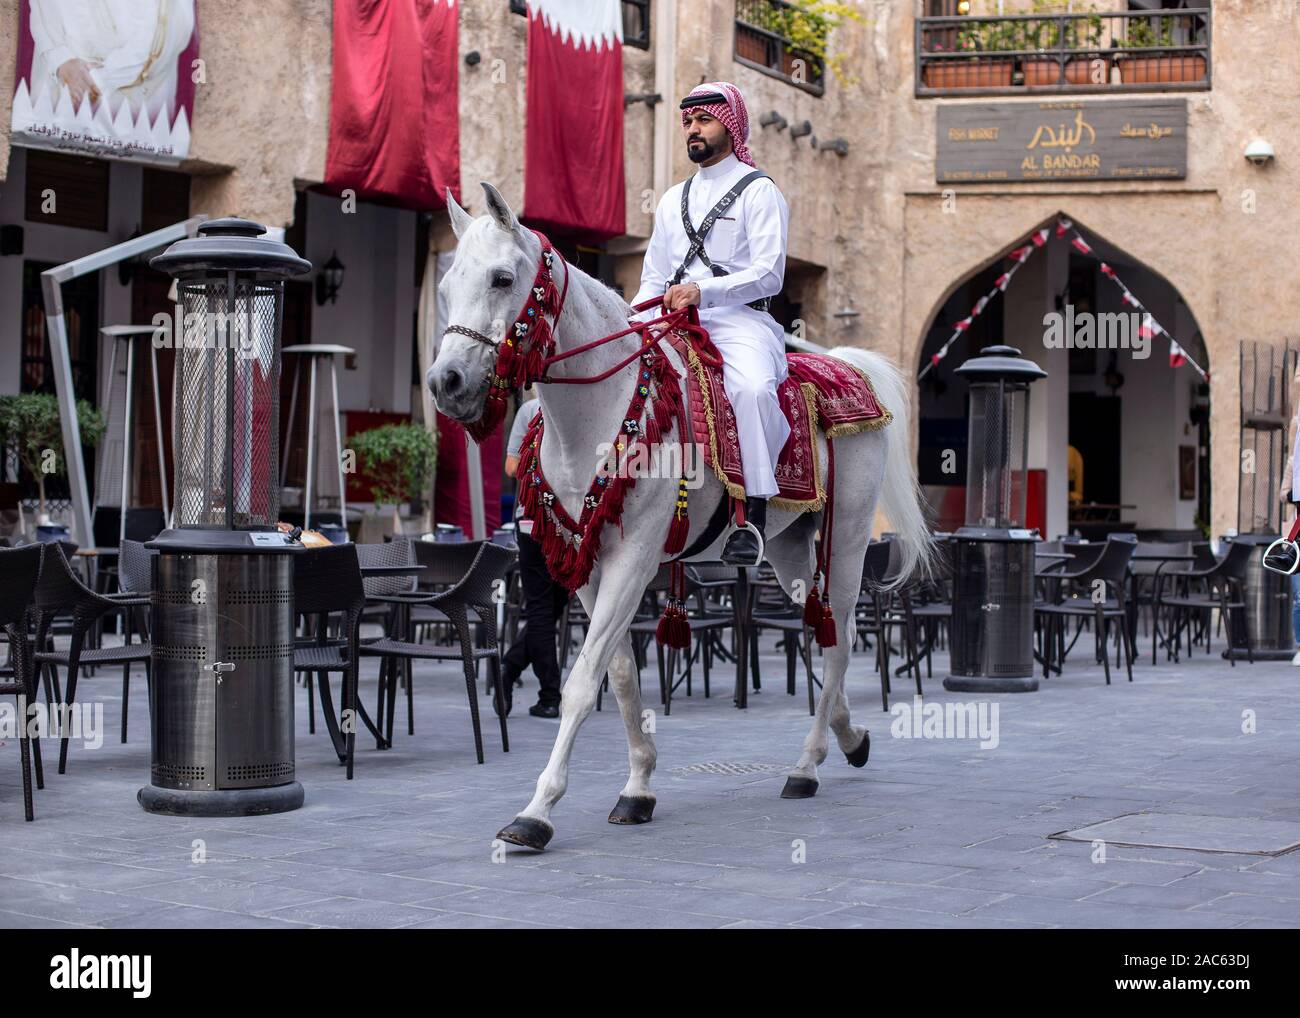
<point x="1144" y="64"/>
<point x="399" y="461"/>
<point x="30" y="422"/>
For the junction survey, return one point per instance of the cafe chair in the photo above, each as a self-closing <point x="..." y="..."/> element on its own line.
<point x="19" y="570"/>
<point x="61" y="593"/>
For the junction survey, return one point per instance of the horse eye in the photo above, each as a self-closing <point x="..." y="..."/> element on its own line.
<point x="502" y="280"/>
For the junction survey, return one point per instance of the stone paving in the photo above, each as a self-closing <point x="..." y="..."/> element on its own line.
<point x="932" y="833"/>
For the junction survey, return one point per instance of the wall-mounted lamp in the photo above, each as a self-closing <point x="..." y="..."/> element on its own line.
<point x="329" y="280"/>
<point x="801" y="129"/>
<point x="837" y="145"/>
<point x="773" y="119"/>
<point x="11" y="239"/>
<point x="649" y="98"/>
<point x="473" y="57"/>
<point x="1259" y="152"/>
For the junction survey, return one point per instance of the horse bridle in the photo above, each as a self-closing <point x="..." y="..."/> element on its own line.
<point x="543" y="279"/>
<point x="465" y="330"/>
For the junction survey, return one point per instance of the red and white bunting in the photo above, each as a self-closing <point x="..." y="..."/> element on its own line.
<point x="1148" y="329"/>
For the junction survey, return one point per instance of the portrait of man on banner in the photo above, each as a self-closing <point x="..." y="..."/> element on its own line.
<point x="109" y="77"/>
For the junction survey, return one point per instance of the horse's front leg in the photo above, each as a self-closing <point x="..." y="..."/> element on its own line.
<point x="622" y="581"/>
<point x="636" y="803"/>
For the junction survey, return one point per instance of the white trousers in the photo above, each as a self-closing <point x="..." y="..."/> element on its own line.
<point x="753" y="365"/>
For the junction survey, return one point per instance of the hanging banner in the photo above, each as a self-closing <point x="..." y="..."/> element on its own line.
<point x="394" y="117"/>
<point x="573" y="139"/>
<point x="1062" y="140"/>
<point x="106" y="77"/>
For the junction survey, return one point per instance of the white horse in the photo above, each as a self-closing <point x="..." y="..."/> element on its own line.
<point x="484" y="290"/>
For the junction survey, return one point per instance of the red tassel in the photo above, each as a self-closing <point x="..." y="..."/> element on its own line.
<point x="812" y="608"/>
<point x="826" y="633"/>
<point x="673" y="630"/>
<point x="652" y="433"/>
<point x="506" y="356"/>
<point x="534" y="366"/>
<point x="677" y="531"/>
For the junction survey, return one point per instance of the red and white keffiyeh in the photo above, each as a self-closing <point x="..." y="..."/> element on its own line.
<point x="734" y="115"/>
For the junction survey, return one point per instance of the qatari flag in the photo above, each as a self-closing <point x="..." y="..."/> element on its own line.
<point x="573" y="141"/>
<point x="394" y="122"/>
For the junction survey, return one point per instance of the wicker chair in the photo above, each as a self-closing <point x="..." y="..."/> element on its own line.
<point x="19" y="571"/>
<point x="478" y="589"/>
<point x="327" y="581"/>
<point x="1076" y="601"/>
<point x="61" y="592"/>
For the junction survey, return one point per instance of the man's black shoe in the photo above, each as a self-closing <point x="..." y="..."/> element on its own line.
<point x="544" y="710"/>
<point x="745" y="547"/>
<point x="508" y="694"/>
<point x="742" y="549"/>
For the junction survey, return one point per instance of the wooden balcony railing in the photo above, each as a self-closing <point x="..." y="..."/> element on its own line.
<point x="1122" y="51"/>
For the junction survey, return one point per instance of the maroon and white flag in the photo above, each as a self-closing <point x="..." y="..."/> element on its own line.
<point x="394" y="120"/>
<point x="1176" y="356"/>
<point x="573" y="140"/>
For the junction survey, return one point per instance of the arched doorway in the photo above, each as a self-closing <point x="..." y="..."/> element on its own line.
<point x="1119" y="435"/>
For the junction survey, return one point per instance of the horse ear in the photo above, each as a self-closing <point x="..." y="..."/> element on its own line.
<point x="499" y="210"/>
<point x="460" y="219"/>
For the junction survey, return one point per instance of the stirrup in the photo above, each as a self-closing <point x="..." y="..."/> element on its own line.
<point x="1282" y="556"/>
<point x="758" y="534"/>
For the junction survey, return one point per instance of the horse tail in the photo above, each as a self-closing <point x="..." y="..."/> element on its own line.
<point x="901" y="499"/>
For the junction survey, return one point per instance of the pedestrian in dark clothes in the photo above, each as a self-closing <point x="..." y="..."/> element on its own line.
<point x="544" y="599"/>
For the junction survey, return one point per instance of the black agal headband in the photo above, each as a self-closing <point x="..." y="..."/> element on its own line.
<point x="703" y="99"/>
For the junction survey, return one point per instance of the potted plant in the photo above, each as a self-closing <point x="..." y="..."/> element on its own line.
<point x="805" y="30"/>
<point x="753" y="45"/>
<point x="1145" y="64"/>
<point x="979" y="71"/>
<point x="1075" y="34"/>
<point x="398" y="461"/>
<point x="30" y="422"/>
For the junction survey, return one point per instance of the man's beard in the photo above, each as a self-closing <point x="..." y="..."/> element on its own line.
<point x="702" y="151"/>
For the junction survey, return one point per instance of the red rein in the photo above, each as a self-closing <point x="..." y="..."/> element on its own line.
<point x="524" y="355"/>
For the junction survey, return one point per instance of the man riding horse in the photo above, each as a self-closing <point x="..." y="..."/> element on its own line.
<point x="730" y="266"/>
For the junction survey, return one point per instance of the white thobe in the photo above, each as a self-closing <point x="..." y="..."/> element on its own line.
<point x="748" y="241"/>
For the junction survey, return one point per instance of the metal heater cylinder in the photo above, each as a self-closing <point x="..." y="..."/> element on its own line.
<point x="993" y="554"/>
<point x="223" y="612"/>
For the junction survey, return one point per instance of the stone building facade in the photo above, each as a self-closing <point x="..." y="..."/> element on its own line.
<point x="877" y="247"/>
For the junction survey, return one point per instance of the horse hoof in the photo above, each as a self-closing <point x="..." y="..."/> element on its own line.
<point x="799" y="788"/>
<point x="632" y="810"/>
<point x="858" y="758"/>
<point x="527" y="832"/>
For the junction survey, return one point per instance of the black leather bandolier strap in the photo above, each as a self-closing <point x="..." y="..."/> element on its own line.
<point x="696" y="237"/>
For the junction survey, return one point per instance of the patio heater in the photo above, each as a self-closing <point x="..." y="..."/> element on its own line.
<point x="1264" y="384"/>
<point x="222" y="709"/>
<point x="993" y="554"/>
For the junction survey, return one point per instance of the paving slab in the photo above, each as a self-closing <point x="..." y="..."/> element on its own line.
<point x="933" y="833"/>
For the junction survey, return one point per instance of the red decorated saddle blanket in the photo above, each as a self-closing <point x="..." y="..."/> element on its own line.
<point x="821" y="392"/>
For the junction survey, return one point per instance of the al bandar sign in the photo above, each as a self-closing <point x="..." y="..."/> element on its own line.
<point x="1019" y="142"/>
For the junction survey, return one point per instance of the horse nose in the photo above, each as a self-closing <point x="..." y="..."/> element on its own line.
<point x="446" y="382"/>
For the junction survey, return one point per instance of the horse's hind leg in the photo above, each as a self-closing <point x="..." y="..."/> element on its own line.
<point x="613" y="606"/>
<point x="855" y="506"/>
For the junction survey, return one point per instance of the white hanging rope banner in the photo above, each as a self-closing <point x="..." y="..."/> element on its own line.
<point x="1149" y="328"/>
